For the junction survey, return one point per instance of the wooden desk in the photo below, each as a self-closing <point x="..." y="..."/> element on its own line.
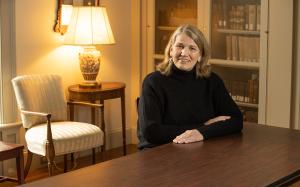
<point x="108" y="90"/>
<point x="11" y="150"/>
<point x="260" y="156"/>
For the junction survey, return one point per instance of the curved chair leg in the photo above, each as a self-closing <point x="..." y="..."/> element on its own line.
<point x="28" y="163"/>
<point x="94" y="155"/>
<point x="50" y="154"/>
<point x="50" y="166"/>
<point x="103" y="157"/>
<point x="72" y="158"/>
<point x="65" y="163"/>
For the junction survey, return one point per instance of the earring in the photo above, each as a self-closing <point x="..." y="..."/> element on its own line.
<point x="170" y="60"/>
<point x="199" y="59"/>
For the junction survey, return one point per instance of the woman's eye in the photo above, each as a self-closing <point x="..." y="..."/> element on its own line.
<point x="193" y="49"/>
<point x="179" y="46"/>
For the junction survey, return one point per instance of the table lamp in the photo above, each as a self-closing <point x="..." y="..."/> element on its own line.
<point x="88" y="27"/>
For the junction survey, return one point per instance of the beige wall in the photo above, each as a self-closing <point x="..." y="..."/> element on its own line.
<point x="39" y="50"/>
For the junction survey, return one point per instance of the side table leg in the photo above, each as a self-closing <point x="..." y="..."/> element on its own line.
<point x="123" y="121"/>
<point x="71" y="112"/>
<point x="20" y="166"/>
<point x="93" y="115"/>
<point x="103" y="125"/>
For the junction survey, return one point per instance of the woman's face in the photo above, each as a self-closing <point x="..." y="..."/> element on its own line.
<point x="185" y="52"/>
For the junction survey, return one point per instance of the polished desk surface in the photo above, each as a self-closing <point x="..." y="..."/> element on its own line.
<point x="259" y="156"/>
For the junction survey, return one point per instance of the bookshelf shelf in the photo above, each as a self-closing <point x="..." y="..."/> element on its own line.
<point x="235" y="64"/>
<point x="158" y="56"/>
<point x="240" y="32"/>
<point x="166" y="28"/>
<point x="249" y="105"/>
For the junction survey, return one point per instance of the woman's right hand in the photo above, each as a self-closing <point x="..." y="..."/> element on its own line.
<point x="216" y="119"/>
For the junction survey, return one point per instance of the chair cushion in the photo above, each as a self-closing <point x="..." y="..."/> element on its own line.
<point x="68" y="137"/>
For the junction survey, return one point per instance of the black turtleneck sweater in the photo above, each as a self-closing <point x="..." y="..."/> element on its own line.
<point x="170" y="105"/>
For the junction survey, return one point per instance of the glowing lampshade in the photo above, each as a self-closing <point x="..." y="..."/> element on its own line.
<point x="89" y="25"/>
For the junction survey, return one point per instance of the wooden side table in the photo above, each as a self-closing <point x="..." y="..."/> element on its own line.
<point x="11" y="150"/>
<point x="108" y="90"/>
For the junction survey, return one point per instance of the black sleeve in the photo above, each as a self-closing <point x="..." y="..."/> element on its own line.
<point x="150" y="112"/>
<point x="223" y="106"/>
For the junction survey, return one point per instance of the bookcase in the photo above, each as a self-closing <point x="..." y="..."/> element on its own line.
<point x="235" y="40"/>
<point x="246" y="38"/>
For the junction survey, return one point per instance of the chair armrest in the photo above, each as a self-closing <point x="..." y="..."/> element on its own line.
<point x="95" y="105"/>
<point x="49" y="142"/>
<point x="35" y="113"/>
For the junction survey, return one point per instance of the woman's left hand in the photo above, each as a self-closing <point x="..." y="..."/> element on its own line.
<point x="189" y="136"/>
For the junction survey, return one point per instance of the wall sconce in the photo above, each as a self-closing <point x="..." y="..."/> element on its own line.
<point x="88" y="27"/>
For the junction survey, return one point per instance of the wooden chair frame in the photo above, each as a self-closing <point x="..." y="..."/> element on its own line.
<point x="50" y="151"/>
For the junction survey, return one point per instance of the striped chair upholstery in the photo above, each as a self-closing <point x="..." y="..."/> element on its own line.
<point x="68" y="137"/>
<point x="44" y="93"/>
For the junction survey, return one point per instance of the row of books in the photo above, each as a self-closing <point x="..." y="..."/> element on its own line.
<point x="242" y="48"/>
<point x="243" y="91"/>
<point x="237" y="17"/>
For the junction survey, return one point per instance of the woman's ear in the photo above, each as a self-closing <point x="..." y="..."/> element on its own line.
<point x="171" y="51"/>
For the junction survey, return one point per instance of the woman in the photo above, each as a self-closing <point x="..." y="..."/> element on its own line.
<point x="184" y="101"/>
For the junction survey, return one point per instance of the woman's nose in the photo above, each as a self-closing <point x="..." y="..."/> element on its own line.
<point x="185" y="51"/>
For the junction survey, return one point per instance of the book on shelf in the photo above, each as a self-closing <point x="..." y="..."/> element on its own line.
<point x="252" y="16"/>
<point x="234" y="90"/>
<point x="224" y="13"/>
<point x="250" y="90"/>
<point x="237" y="17"/>
<point x="246" y="92"/>
<point x="240" y="17"/>
<point x="242" y="48"/>
<point x="251" y="49"/>
<point x="220" y="14"/>
<point x="232" y="17"/>
<point x="228" y="47"/>
<point x="253" y="89"/>
<point x="246" y="9"/>
<point x="234" y="47"/>
<point x="258" y="17"/>
<point x="243" y="91"/>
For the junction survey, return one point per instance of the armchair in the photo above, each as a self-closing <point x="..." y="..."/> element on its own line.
<point x="43" y="108"/>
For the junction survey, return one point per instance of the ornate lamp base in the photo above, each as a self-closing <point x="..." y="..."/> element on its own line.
<point x="89" y="66"/>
